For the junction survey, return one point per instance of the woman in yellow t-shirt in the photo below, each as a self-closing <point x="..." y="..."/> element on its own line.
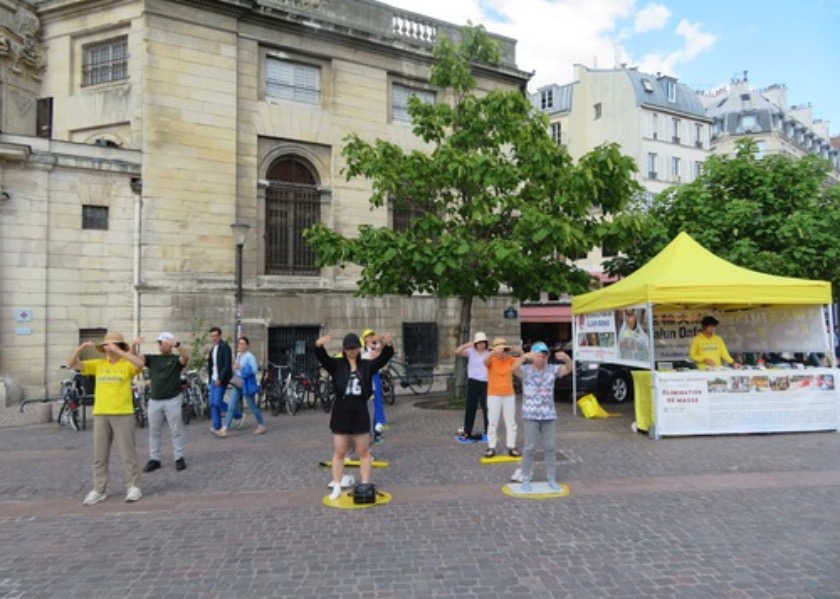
<point x="501" y="399"/>
<point x="113" y="412"/>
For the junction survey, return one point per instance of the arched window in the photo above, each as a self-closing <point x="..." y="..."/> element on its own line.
<point x="292" y="203"/>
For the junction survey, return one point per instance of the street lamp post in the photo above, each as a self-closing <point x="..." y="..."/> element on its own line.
<point x="240" y="230"/>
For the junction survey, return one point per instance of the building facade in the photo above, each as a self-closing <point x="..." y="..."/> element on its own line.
<point x="145" y="128"/>
<point x="764" y="115"/>
<point x="656" y="120"/>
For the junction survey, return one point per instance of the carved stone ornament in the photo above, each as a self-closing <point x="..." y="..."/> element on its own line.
<point x="20" y="49"/>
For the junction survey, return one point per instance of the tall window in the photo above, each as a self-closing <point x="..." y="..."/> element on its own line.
<point x="399" y="100"/>
<point x="698" y="168"/>
<point x="292" y="81"/>
<point x="652" y="162"/>
<point x="598" y="111"/>
<point x="654" y="125"/>
<point x="292" y="204"/>
<point x="105" y="61"/>
<point x="547" y="99"/>
<point x="675" y="168"/>
<point x="556" y="131"/>
<point x="95" y="217"/>
<point x="676" y="132"/>
<point x="698" y="135"/>
<point x="671" y="87"/>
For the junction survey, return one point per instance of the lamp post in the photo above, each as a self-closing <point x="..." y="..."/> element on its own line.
<point x="240" y="230"/>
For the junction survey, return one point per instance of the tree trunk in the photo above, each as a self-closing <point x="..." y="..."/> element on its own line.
<point x="463" y="337"/>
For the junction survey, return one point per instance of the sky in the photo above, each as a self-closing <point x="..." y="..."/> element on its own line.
<point x="705" y="44"/>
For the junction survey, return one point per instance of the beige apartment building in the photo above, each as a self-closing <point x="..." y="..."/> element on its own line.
<point x="656" y="120"/>
<point x="764" y="115"/>
<point x="136" y="132"/>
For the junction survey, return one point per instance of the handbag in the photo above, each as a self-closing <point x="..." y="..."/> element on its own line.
<point x="250" y="385"/>
<point x="364" y="493"/>
<point x="236" y="382"/>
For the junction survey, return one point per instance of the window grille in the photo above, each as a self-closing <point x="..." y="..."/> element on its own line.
<point x="105" y="61"/>
<point x="297" y="341"/>
<point x="420" y="343"/>
<point x="292" y="204"/>
<point x="95" y="217"/>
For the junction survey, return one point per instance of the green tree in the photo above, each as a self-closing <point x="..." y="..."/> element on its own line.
<point x="496" y="202"/>
<point x="773" y="214"/>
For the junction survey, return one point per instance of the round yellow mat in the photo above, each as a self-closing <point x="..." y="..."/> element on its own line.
<point x="539" y="491"/>
<point x="345" y="501"/>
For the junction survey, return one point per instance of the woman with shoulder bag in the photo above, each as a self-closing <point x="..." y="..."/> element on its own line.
<point x="245" y="368"/>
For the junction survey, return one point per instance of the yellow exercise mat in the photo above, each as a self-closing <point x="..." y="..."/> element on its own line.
<point x="539" y="490"/>
<point x="590" y="408"/>
<point x="501" y="459"/>
<point x="345" y="501"/>
<point x="355" y="464"/>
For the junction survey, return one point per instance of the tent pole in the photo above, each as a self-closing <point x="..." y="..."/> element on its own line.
<point x="653" y="431"/>
<point x="574" y="365"/>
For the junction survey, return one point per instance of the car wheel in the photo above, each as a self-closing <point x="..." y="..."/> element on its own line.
<point x="620" y="389"/>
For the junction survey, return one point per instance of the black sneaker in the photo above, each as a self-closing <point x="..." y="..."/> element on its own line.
<point x="180" y="464"/>
<point x="151" y="466"/>
<point x="514" y="453"/>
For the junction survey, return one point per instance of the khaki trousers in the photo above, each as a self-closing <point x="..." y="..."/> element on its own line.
<point x="107" y="430"/>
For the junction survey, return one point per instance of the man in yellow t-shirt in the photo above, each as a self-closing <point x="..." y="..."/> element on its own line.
<point x="708" y="349"/>
<point x="113" y="412"/>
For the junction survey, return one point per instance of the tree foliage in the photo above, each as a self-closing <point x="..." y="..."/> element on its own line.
<point x="496" y="201"/>
<point x="773" y="214"/>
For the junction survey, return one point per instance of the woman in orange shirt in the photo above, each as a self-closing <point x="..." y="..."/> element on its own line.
<point x="501" y="398"/>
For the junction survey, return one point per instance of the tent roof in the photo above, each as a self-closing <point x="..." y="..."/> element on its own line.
<point x="687" y="275"/>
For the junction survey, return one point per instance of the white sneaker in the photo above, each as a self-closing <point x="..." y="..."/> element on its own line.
<point x="336" y="492"/>
<point x="347" y="481"/>
<point x="516" y="477"/>
<point x="379" y="427"/>
<point x="133" y="494"/>
<point x="93" y="497"/>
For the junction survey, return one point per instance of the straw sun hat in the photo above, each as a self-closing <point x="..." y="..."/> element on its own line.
<point x="115" y="338"/>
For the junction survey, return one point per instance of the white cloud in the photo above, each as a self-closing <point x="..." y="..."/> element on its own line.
<point x="695" y="42"/>
<point x="652" y="17"/>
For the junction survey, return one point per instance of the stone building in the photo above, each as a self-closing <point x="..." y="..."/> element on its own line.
<point x="136" y="132"/>
<point x="764" y="115"/>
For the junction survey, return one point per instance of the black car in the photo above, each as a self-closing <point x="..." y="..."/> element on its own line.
<point x="610" y="383"/>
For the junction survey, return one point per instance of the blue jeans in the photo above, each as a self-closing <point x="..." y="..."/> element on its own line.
<point x="218" y="407"/>
<point x="235" y="396"/>
<point x="378" y="402"/>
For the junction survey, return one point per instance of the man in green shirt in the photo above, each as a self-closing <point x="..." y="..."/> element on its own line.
<point x="165" y="399"/>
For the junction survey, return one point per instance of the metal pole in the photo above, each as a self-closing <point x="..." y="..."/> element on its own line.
<point x="239" y="247"/>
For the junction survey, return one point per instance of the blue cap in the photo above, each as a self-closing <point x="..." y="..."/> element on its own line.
<point x="540" y="347"/>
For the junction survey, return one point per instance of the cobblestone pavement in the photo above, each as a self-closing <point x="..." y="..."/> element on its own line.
<point x="746" y="516"/>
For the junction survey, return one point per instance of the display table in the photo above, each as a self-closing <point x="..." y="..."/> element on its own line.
<point x="713" y="402"/>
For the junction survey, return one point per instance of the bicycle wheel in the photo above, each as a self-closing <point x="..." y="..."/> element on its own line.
<point x="420" y="379"/>
<point x="197" y="401"/>
<point x="389" y="394"/>
<point x="186" y="406"/>
<point x="325" y="394"/>
<point x="294" y="397"/>
<point x="311" y="397"/>
<point x="68" y="415"/>
<point x="273" y="398"/>
<point x="139" y="414"/>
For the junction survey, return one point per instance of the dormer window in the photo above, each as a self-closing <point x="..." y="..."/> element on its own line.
<point x="546" y="99"/>
<point x="671" y="87"/>
<point x="647" y="85"/>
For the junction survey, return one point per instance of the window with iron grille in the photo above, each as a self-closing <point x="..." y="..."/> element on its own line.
<point x="292" y="81"/>
<point x="292" y="204"/>
<point x="403" y="212"/>
<point x="105" y="61"/>
<point x="297" y="342"/>
<point x="95" y="217"/>
<point x="399" y="100"/>
<point x="420" y="343"/>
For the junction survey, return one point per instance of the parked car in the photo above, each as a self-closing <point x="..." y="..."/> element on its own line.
<point x="611" y="383"/>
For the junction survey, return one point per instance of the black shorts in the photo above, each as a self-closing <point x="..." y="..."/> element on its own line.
<point x="350" y="416"/>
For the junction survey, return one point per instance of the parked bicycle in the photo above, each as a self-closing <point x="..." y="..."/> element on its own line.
<point x="324" y="390"/>
<point x="193" y="396"/>
<point x="72" y="392"/>
<point x="417" y="377"/>
<point x="140" y="390"/>
<point x="270" y="396"/>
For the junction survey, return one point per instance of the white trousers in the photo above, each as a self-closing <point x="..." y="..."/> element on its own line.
<point x="504" y="405"/>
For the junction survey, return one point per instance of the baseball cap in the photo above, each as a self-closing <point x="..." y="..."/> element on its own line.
<point x="351" y="340"/>
<point x="540" y="347"/>
<point x="709" y="320"/>
<point x="166" y="337"/>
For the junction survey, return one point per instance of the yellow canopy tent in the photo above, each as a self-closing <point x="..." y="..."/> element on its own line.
<point x="685" y="274"/>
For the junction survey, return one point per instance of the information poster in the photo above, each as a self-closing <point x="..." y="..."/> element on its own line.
<point x="595" y="341"/>
<point x="746" y="401"/>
